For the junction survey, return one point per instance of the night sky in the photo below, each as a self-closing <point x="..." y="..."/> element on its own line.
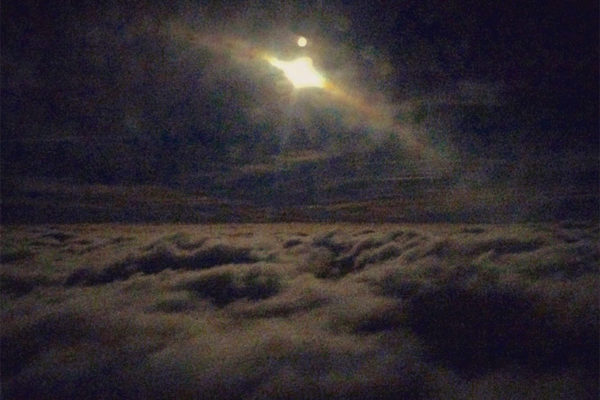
<point x="102" y="92"/>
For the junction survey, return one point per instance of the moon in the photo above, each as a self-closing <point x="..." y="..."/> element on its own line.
<point x="300" y="72"/>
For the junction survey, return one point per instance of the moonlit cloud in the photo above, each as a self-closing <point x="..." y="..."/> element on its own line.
<point x="360" y="107"/>
<point x="300" y="72"/>
<point x="348" y="311"/>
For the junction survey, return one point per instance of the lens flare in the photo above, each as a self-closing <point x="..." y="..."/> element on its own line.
<point x="300" y="72"/>
<point x="364" y="109"/>
<point x="302" y="41"/>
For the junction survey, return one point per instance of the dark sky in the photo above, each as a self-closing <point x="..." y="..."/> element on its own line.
<point x="108" y="84"/>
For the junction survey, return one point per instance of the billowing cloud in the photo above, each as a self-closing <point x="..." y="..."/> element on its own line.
<point x="354" y="312"/>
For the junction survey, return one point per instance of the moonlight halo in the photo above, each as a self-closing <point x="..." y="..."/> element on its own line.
<point x="300" y="72"/>
<point x="377" y="115"/>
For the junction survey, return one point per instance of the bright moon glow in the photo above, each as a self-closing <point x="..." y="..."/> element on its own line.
<point x="302" y="41"/>
<point x="300" y="72"/>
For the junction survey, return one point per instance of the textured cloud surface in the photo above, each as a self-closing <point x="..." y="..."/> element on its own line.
<point x="300" y="311"/>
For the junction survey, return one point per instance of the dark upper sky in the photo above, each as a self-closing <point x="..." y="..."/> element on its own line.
<point x="89" y="73"/>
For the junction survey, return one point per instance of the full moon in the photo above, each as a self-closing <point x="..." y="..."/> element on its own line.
<point x="300" y="72"/>
<point x="302" y="41"/>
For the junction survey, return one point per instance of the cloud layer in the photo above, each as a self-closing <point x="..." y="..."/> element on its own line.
<point x="300" y="311"/>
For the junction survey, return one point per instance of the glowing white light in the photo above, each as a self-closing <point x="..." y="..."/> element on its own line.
<point x="300" y="72"/>
<point x="302" y="41"/>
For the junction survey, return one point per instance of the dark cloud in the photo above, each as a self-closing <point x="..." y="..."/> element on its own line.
<point x="482" y="96"/>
